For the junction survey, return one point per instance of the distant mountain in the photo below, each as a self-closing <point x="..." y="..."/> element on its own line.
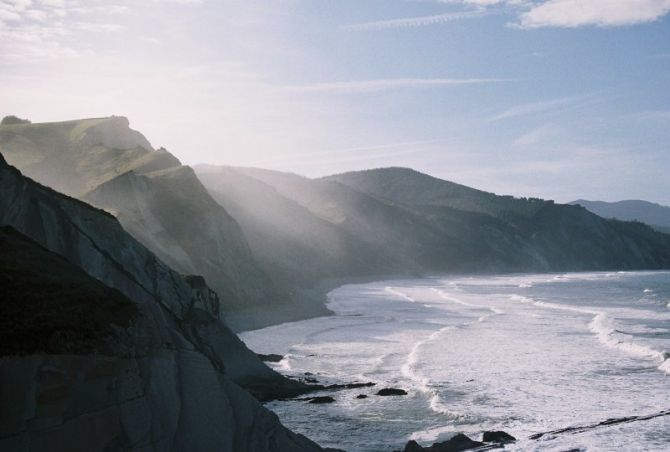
<point x="105" y="347"/>
<point x="655" y="215"/>
<point x="408" y="187"/>
<point x="159" y="201"/>
<point x="399" y="221"/>
<point x="295" y="245"/>
<point x="528" y="233"/>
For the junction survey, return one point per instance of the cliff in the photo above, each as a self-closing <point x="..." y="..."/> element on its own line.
<point x="159" y="201"/>
<point x="162" y="373"/>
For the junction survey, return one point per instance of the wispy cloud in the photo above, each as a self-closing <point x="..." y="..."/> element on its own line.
<point x="362" y="86"/>
<point x="545" y="106"/>
<point x="536" y="136"/>
<point x="32" y="31"/>
<point x="420" y="21"/>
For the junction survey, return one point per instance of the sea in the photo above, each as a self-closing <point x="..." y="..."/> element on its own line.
<point x="569" y="361"/>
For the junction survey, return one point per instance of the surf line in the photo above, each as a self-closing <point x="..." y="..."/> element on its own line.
<point x="409" y="368"/>
<point x="447" y="297"/>
<point x="403" y="295"/>
<point x="601" y="326"/>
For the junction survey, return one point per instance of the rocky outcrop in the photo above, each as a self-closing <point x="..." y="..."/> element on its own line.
<point x="391" y="392"/>
<point x="321" y="400"/>
<point x="169" y="381"/>
<point x="498" y="437"/>
<point x="458" y="443"/>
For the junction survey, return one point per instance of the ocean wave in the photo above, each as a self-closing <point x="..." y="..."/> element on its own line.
<point x="404" y="296"/>
<point x="397" y="293"/>
<point x="285" y="363"/>
<point x="410" y="370"/>
<point x="447" y="297"/>
<point x="607" y="334"/>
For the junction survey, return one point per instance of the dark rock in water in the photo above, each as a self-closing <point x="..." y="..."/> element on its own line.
<point x="498" y="437"/>
<point x="311" y="380"/>
<point x="361" y="396"/>
<point x="324" y="399"/>
<point x="337" y="387"/>
<point x="413" y="446"/>
<point x="271" y="358"/>
<point x="357" y="385"/>
<point x="456" y="444"/>
<point x="391" y="392"/>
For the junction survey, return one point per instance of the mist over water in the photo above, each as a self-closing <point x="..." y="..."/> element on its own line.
<point x="525" y="354"/>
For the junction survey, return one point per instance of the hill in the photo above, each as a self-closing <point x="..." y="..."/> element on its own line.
<point x="399" y="221"/>
<point x="655" y="215"/>
<point x="159" y="201"/>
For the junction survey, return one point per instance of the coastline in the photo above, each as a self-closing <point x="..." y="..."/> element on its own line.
<point x="468" y="324"/>
<point x="309" y="303"/>
<point x="312" y="302"/>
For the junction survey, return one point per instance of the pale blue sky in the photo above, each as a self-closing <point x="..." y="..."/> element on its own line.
<point x="560" y="99"/>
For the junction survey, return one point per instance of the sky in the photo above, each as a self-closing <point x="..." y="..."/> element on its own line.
<point x="559" y="99"/>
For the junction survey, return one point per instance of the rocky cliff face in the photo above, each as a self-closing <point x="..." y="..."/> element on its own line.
<point x="159" y="201"/>
<point x="170" y="381"/>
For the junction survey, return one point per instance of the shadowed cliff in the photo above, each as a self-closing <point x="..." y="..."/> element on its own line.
<point x="129" y="355"/>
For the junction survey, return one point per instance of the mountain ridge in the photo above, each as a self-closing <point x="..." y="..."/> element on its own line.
<point x="395" y="229"/>
<point x="654" y="214"/>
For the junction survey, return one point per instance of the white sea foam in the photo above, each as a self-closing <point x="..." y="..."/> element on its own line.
<point x="538" y="367"/>
<point x="603" y="327"/>
<point x="447" y="297"/>
<point x="410" y="370"/>
<point x="402" y="295"/>
<point x="285" y="363"/>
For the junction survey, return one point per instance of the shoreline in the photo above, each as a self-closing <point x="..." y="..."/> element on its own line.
<point x="312" y="302"/>
<point x="309" y="304"/>
<point x="591" y="420"/>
